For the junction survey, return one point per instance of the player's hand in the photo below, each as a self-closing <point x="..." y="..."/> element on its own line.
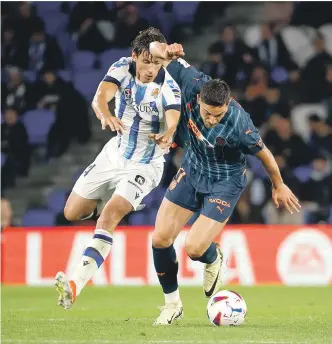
<point x="174" y="51"/>
<point x="282" y="195"/>
<point x="166" y="52"/>
<point x="164" y="140"/>
<point x="113" y="122"/>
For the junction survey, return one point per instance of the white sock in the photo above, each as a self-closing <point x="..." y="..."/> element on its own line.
<point x="172" y="297"/>
<point x="93" y="257"/>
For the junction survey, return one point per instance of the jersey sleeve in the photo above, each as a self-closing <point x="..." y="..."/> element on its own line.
<point x="117" y="72"/>
<point x="189" y="79"/>
<point x="171" y="95"/>
<point x="250" y="140"/>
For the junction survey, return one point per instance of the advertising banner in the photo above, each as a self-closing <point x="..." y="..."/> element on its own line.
<point x="254" y="254"/>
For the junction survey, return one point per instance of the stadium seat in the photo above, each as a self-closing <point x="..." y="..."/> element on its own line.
<point x="67" y="46"/>
<point x="138" y="218"/>
<point x="83" y="60"/>
<point x="29" y="76"/>
<point x="38" y="124"/>
<point x="3" y="158"/>
<point x="47" y="7"/>
<point x="38" y="217"/>
<point x="108" y="57"/>
<point x="326" y="31"/>
<point x="86" y="83"/>
<point x="298" y="43"/>
<point x="65" y="75"/>
<point x="56" y="201"/>
<point x="300" y="115"/>
<point x="55" y="23"/>
<point x="184" y="11"/>
<point x="303" y="173"/>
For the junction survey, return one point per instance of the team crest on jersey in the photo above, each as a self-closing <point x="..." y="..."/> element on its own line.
<point x="127" y="93"/>
<point x="155" y="93"/>
<point x="220" y="142"/>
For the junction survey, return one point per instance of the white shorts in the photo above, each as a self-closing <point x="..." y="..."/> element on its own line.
<point x="111" y="174"/>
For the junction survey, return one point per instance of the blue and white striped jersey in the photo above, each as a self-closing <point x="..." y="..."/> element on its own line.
<point x="219" y="152"/>
<point x="141" y="108"/>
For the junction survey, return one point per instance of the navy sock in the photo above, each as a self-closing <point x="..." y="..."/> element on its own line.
<point x="209" y="256"/>
<point x="166" y="267"/>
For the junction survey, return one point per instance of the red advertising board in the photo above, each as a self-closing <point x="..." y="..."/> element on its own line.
<point x="291" y="255"/>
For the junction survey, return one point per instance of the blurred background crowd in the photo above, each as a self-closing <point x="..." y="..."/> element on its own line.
<point x="276" y="56"/>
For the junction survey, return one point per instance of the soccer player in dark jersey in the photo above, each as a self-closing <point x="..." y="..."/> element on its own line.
<point x="217" y="134"/>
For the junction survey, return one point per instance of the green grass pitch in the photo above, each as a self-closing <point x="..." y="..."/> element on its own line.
<point x="276" y="315"/>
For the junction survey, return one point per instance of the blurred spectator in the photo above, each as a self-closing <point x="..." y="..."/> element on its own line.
<point x="6" y="213"/>
<point x="89" y="28"/>
<point x="279" y="12"/>
<point x="273" y="52"/>
<point x="128" y="25"/>
<point x="16" y="93"/>
<point x="72" y="119"/>
<point x="317" y="191"/>
<point x="26" y="20"/>
<point x="281" y="215"/>
<point x="260" y="99"/>
<point x="214" y="66"/>
<point x="11" y="50"/>
<point x="321" y="135"/>
<point x="14" y="142"/>
<point x="317" y="74"/>
<point x="43" y="50"/>
<point x="282" y="141"/>
<point x="236" y="55"/>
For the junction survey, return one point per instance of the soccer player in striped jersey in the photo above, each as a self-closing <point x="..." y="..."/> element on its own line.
<point x="217" y="134"/>
<point x="131" y="164"/>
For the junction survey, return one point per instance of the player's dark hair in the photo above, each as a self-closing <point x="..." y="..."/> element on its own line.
<point x="215" y="92"/>
<point x="142" y="42"/>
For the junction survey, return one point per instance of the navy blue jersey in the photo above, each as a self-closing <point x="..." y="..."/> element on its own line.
<point x="219" y="152"/>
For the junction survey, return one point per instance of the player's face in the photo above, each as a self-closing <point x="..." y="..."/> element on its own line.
<point x="212" y="115"/>
<point x="147" y="67"/>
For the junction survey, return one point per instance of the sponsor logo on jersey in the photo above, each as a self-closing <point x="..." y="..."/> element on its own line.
<point x="198" y="134"/>
<point x="140" y="179"/>
<point x="220" y="201"/>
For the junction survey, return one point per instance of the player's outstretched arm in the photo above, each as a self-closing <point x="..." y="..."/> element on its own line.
<point x="166" y="53"/>
<point x="104" y="94"/>
<point x="281" y="194"/>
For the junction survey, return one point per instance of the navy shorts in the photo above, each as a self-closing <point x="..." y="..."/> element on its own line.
<point x="212" y="198"/>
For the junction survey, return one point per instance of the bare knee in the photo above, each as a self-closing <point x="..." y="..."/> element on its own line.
<point x="194" y="250"/>
<point x="78" y="207"/>
<point x="161" y="239"/>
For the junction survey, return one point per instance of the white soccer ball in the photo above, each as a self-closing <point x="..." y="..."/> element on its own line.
<point x="226" y="308"/>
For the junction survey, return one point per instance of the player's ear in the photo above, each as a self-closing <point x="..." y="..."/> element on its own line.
<point x="134" y="56"/>
<point x="199" y="99"/>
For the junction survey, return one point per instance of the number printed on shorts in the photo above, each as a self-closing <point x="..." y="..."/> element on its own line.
<point x="87" y="171"/>
<point x="181" y="173"/>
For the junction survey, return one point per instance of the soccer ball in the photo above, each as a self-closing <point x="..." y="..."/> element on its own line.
<point x="226" y="308"/>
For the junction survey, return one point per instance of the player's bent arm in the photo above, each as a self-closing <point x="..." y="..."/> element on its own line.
<point x="271" y="166"/>
<point x="281" y="194"/>
<point x="105" y="93"/>
<point x="172" y="119"/>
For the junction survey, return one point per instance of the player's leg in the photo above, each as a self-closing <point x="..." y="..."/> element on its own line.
<point x="175" y="211"/>
<point x="128" y="194"/>
<point x="200" y="247"/>
<point x="216" y="209"/>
